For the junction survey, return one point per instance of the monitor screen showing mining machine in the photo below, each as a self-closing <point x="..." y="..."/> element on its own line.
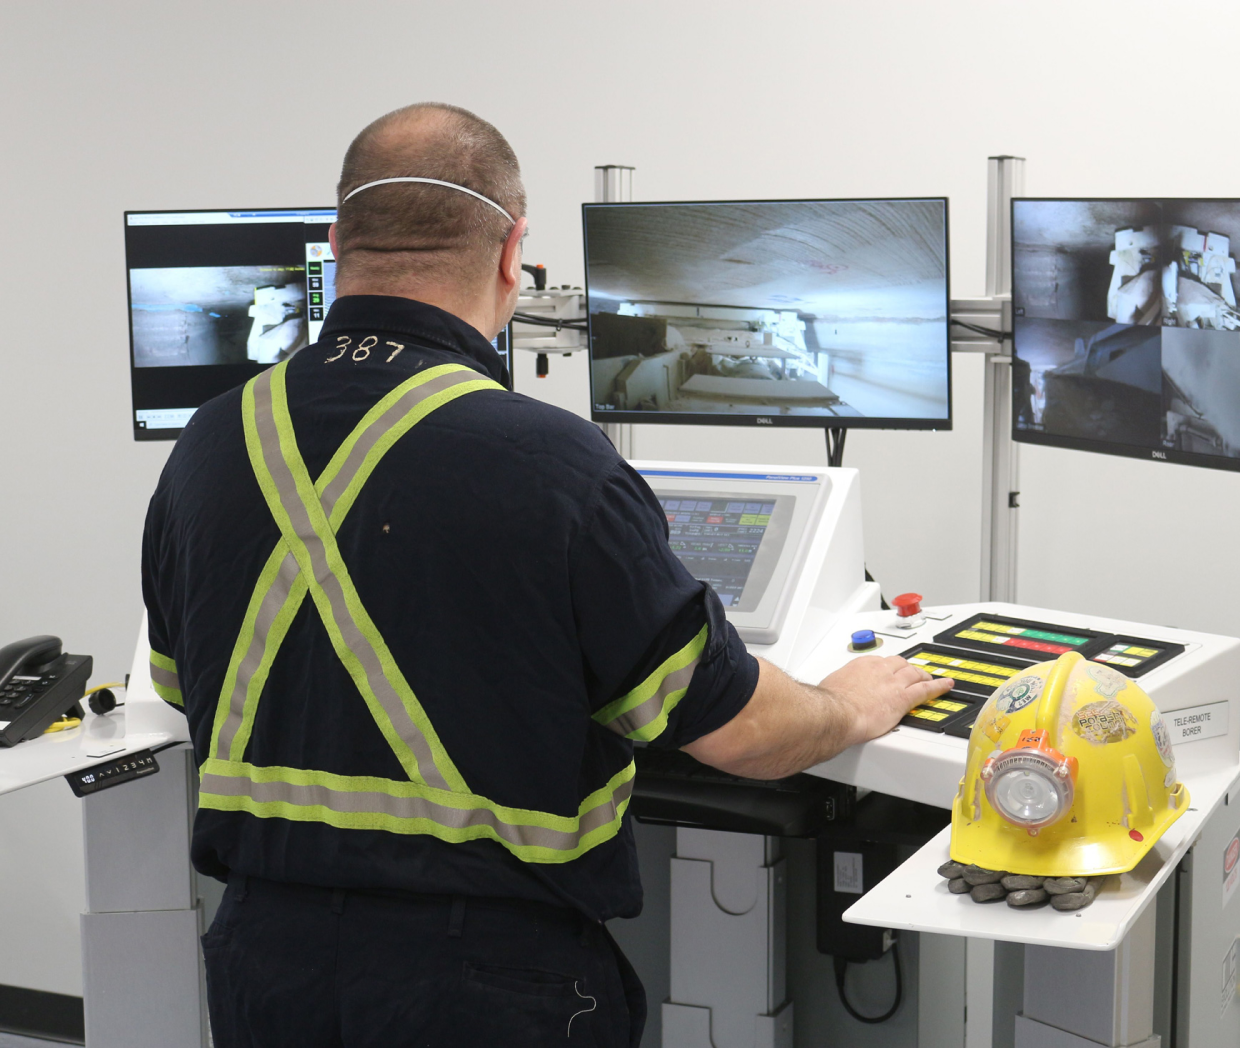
<point x="1126" y="330"/>
<point x="215" y="297"/>
<point x="770" y="312"/>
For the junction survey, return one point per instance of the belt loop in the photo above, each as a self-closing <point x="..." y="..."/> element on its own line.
<point x="243" y="887"/>
<point x="456" y="917"/>
<point x="337" y="901"/>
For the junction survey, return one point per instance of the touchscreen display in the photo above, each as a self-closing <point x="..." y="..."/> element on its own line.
<point x="717" y="540"/>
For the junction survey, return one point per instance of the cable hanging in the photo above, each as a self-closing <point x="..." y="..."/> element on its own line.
<point x="841" y="972"/>
<point x="998" y="336"/>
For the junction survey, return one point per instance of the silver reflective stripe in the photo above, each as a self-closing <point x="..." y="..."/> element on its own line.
<point x="384" y="804"/>
<point x="165" y="678"/>
<point x="273" y="601"/>
<point x="354" y="640"/>
<point x="649" y="711"/>
<point x="277" y="595"/>
<point x="375" y="431"/>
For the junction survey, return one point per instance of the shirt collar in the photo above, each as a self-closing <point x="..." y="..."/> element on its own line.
<point x="419" y="321"/>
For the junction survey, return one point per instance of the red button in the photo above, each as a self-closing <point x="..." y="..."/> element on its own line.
<point x="907" y="604"/>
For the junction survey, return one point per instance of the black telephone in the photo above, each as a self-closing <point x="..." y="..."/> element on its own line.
<point x="39" y="684"/>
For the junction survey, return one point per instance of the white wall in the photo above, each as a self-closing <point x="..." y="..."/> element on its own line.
<point x="145" y="105"/>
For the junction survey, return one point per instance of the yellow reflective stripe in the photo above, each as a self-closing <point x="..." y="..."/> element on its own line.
<point x="371" y="439"/>
<point x="372" y="803"/>
<point x="281" y="588"/>
<point x="164" y="679"/>
<point x="162" y="662"/>
<point x="294" y="503"/>
<point x="276" y="452"/>
<point x="270" y="613"/>
<point x="642" y="713"/>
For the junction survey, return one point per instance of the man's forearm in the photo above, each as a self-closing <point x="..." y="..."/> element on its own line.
<point x="786" y="727"/>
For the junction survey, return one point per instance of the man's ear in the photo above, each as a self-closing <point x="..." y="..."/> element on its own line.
<point x="510" y="255"/>
<point x="331" y="239"/>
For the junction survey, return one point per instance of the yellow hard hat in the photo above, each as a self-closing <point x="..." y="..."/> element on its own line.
<point x="1070" y="774"/>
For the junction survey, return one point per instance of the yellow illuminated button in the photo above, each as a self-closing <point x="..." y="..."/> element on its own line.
<point x="924" y="714"/>
<point x="998" y="627"/>
<point x="1142" y="653"/>
<point x="947" y="704"/>
<point x="989" y="638"/>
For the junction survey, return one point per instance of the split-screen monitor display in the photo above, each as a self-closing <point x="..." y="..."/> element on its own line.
<point x="1126" y="327"/>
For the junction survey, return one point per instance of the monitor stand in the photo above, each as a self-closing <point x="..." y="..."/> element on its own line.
<point x="835" y="444"/>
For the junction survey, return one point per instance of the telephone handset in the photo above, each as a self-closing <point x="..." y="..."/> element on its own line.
<point x="39" y="683"/>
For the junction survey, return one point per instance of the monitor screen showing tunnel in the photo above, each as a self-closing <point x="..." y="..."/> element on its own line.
<point x="775" y="312"/>
<point x="215" y="297"/>
<point x="1126" y="328"/>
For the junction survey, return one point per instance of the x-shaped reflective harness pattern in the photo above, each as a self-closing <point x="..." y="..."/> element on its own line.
<point x="435" y="800"/>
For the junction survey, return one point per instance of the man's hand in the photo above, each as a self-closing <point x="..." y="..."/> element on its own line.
<point x="879" y="691"/>
<point x="788" y="726"/>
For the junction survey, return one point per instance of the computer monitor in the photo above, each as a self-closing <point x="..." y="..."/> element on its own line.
<point x="826" y="313"/>
<point x="217" y="296"/>
<point x="1126" y="332"/>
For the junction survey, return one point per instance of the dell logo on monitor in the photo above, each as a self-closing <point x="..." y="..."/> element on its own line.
<point x="762" y="420"/>
<point x="1160" y="455"/>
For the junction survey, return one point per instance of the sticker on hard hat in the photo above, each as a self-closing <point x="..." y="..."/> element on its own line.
<point x="994" y="725"/>
<point x="1109" y="682"/>
<point x="1017" y="694"/>
<point x="1162" y="738"/>
<point x="1104" y="722"/>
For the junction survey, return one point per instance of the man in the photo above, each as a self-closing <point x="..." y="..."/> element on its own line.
<point x="416" y="622"/>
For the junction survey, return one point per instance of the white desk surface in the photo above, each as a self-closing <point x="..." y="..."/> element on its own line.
<point x="98" y="739"/>
<point x="915" y="897"/>
<point x="144" y="722"/>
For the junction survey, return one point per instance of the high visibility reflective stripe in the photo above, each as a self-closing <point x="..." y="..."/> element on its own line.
<point x="359" y="802"/>
<point x="164" y="679"/>
<point x="275" y="602"/>
<point x="308" y="533"/>
<point x="435" y="801"/>
<point x="643" y="712"/>
<point x="281" y="587"/>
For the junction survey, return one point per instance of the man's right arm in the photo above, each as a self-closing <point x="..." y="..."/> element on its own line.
<point x="788" y="726"/>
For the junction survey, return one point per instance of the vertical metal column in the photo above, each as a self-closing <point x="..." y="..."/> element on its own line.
<point x="1000" y="469"/>
<point x="614" y="183"/>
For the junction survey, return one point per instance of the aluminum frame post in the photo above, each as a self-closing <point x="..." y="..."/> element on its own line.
<point x="1000" y="460"/>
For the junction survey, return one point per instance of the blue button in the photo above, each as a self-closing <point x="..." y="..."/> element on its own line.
<point x="863" y="639"/>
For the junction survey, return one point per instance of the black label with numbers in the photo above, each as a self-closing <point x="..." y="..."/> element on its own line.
<point x="113" y="773"/>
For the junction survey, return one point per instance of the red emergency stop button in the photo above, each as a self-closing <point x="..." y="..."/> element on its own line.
<point x="907" y="605"/>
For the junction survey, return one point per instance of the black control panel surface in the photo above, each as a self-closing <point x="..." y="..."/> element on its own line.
<point x="1043" y="641"/>
<point x="976" y="676"/>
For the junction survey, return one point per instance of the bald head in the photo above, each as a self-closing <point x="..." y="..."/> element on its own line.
<point x="404" y="234"/>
